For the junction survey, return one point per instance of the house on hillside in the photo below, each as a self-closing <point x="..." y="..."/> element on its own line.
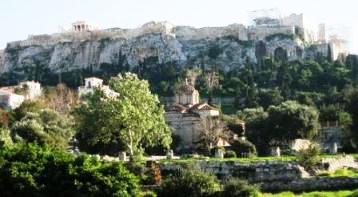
<point x="29" y="89"/>
<point x="10" y="100"/>
<point x="93" y="82"/>
<point x="11" y="97"/>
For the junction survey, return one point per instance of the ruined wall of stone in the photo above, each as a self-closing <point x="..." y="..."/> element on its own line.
<point x="189" y="33"/>
<point x="260" y="33"/>
<point x="317" y="50"/>
<point x="338" y="47"/>
<point x="293" y="20"/>
<point x="291" y="47"/>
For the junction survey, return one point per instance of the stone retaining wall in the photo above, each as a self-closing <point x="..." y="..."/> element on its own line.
<point x="258" y="172"/>
<point x="311" y="184"/>
<point x="272" y="176"/>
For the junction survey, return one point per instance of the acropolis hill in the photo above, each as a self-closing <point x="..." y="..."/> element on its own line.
<point x="87" y="47"/>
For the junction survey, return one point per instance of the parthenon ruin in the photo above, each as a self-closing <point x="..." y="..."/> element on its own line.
<point x="82" y="26"/>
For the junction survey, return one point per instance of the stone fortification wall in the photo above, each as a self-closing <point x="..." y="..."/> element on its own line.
<point x="261" y="32"/>
<point x="165" y="28"/>
<point x="190" y="33"/>
<point x="338" y="47"/>
<point x="293" y="20"/>
<point x="46" y="39"/>
<point x="316" y="50"/>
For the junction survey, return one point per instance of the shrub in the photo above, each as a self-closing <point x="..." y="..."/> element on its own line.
<point x="244" y="148"/>
<point x="5" y="138"/>
<point x="230" y="154"/>
<point x="45" y="127"/>
<point x="31" y="170"/>
<point x="138" y="169"/>
<point x="235" y="187"/>
<point x="309" y="157"/>
<point x="147" y="194"/>
<point x="189" y="183"/>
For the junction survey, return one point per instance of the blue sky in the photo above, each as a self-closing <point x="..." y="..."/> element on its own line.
<point x="19" y="18"/>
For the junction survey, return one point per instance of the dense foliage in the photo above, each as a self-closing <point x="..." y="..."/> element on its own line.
<point x="279" y="124"/>
<point x="131" y="121"/>
<point x="33" y="122"/>
<point x="31" y="170"/>
<point x="291" y="120"/>
<point x="189" y="183"/>
<point x="43" y="127"/>
<point x="243" y="148"/>
<point x="238" y="188"/>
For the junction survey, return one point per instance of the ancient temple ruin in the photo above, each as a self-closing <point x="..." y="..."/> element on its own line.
<point x="83" y="26"/>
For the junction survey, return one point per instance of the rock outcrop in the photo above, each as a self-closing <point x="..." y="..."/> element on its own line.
<point x="152" y="44"/>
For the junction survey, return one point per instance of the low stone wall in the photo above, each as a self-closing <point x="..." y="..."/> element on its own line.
<point x="271" y="176"/>
<point x="254" y="172"/>
<point x="333" y="164"/>
<point x="311" y="184"/>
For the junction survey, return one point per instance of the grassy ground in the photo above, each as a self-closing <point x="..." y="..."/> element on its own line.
<point x="343" y="193"/>
<point x="341" y="172"/>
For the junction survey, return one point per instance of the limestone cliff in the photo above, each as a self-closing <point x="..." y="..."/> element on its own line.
<point x="152" y="44"/>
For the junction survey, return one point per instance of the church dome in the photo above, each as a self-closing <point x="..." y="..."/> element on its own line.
<point x="186" y="89"/>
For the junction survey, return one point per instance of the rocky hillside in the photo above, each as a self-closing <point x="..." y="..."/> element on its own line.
<point x="49" y="58"/>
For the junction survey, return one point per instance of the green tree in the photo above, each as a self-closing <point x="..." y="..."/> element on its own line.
<point x="243" y="148"/>
<point x="133" y="120"/>
<point x="353" y="109"/>
<point x="291" y="120"/>
<point x="31" y="170"/>
<point x="189" y="183"/>
<point x="43" y="127"/>
<point x="256" y="127"/>
<point x="212" y="130"/>
<point x="269" y="97"/>
<point x="26" y="107"/>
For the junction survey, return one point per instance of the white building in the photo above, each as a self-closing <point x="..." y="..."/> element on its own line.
<point x="12" y="96"/>
<point x="32" y="89"/>
<point x="93" y="82"/>
<point x="10" y="100"/>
